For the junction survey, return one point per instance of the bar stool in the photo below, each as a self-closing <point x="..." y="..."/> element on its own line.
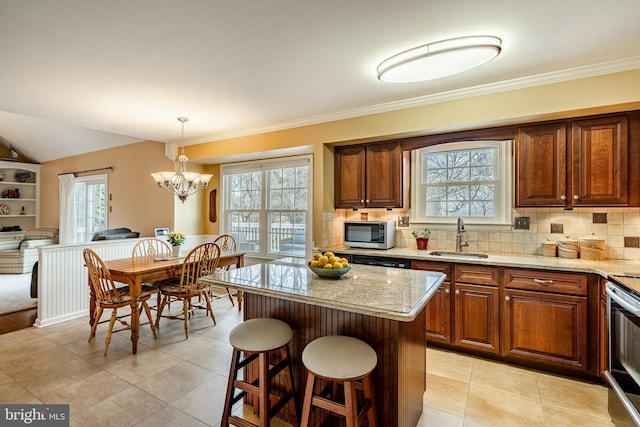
<point x="257" y="338"/>
<point x="342" y="360"/>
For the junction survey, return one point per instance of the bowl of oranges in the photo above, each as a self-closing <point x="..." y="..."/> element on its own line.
<point x="328" y="265"/>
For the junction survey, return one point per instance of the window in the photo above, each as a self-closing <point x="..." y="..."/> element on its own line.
<point x="267" y="205"/>
<point x="466" y="179"/>
<point x="90" y="198"/>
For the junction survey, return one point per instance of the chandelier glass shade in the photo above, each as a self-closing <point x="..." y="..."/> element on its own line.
<point x="439" y="59"/>
<point x="182" y="183"/>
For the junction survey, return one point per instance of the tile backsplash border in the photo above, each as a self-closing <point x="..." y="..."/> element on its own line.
<point x="620" y="231"/>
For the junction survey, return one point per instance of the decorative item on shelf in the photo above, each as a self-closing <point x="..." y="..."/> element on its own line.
<point x="11" y="194"/>
<point x="4" y="210"/>
<point x="22" y="212"/>
<point x="182" y="183"/>
<point x="328" y="265"/>
<point x="592" y="247"/>
<point x="568" y="247"/>
<point x="549" y="248"/>
<point x="422" y="238"/>
<point x="23" y="176"/>
<point x="176" y="239"/>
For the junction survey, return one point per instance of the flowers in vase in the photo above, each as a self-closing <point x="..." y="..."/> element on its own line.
<point x="422" y="234"/>
<point x="176" y="238"/>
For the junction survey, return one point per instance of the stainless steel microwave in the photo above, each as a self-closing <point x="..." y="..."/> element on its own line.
<point x="370" y="234"/>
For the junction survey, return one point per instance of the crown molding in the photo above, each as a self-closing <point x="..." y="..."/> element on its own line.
<point x="576" y="73"/>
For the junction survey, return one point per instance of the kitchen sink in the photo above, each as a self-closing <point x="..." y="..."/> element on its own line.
<point x="460" y="254"/>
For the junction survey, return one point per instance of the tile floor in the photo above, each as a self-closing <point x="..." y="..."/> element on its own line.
<point x="178" y="382"/>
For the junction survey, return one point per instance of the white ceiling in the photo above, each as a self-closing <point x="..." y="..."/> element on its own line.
<point x="82" y="75"/>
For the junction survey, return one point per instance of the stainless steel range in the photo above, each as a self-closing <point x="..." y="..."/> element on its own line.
<point x="623" y="375"/>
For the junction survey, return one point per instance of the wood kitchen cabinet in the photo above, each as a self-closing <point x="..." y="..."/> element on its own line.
<point x="574" y="163"/>
<point x="545" y="318"/>
<point x="476" y="308"/>
<point x="438" y="323"/>
<point x="369" y="176"/>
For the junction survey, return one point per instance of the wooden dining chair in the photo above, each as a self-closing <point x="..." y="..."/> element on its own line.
<point x="109" y="296"/>
<point x="151" y="246"/>
<point x="227" y="244"/>
<point x="200" y="261"/>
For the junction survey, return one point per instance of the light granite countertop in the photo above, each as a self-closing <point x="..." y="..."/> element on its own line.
<point x="390" y="293"/>
<point x="605" y="268"/>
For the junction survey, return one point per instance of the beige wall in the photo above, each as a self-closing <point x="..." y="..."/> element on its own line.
<point x="136" y="201"/>
<point x="585" y="96"/>
<point x="143" y="206"/>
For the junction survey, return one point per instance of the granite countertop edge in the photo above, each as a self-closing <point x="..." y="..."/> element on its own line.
<point x="605" y="268"/>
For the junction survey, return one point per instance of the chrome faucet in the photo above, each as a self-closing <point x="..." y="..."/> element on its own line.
<point x="459" y="243"/>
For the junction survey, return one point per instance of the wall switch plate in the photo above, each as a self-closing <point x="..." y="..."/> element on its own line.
<point x="522" y="223"/>
<point x="403" y="221"/>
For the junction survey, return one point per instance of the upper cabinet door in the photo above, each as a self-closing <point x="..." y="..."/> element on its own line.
<point x="541" y="165"/>
<point x="369" y="176"/>
<point x="599" y="151"/>
<point x="349" y="177"/>
<point x="384" y="176"/>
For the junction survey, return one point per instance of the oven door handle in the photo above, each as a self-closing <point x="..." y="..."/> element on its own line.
<point x="621" y="297"/>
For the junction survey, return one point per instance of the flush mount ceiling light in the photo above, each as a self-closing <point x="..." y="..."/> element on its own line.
<point x="439" y="59"/>
<point x="182" y="183"/>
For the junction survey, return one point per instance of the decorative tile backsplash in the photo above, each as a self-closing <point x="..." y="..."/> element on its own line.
<point x="619" y="227"/>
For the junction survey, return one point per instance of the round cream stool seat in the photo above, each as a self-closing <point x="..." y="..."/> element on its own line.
<point x="339" y="357"/>
<point x="261" y="350"/>
<point x="261" y="334"/>
<point x="345" y="361"/>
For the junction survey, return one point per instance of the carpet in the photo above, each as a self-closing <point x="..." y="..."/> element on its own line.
<point x="15" y="293"/>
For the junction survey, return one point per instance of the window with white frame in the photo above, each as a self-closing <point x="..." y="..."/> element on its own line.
<point x="464" y="179"/>
<point x="90" y="198"/>
<point x="266" y="205"/>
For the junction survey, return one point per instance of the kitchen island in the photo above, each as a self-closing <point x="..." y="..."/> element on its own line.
<point x="385" y="307"/>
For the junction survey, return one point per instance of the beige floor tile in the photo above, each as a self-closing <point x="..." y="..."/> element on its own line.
<point x="562" y="417"/>
<point x="126" y="408"/>
<point x="205" y="402"/>
<point x="138" y="367"/>
<point x="446" y="394"/>
<point x="12" y="392"/>
<point x="42" y="379"/>
<point x="494" y="408"/>
<point x="432" y="417"/>
<point x="505" y="378"/>
<point x="575" y="395"/>
<point x="449" y="364"/>
<point x="173" y="383"/>
<point x="170" y="416"/>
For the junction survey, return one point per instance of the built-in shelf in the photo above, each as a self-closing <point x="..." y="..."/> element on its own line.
<point x="29" y="197"/>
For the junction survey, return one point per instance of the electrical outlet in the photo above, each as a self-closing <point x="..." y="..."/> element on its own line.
<point x="522" y="223"/>
<point x="403" y="221"/>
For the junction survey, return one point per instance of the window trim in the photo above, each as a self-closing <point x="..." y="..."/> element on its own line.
<point x="263" y="165"/>
<point x="503" y="192"/>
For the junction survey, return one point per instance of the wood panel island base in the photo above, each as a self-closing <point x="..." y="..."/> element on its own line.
<point x="385" y="307"/>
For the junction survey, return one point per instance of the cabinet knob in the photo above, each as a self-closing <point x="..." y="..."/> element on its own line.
<point x="446" y="291"/>
<point x="367" y="200"/>
<point x="362" y="201"/>
<point x="576" y="197"/>
<point x="507" y="298"/>
<point x="563" y="197"/>
<point x="457" y="292"/>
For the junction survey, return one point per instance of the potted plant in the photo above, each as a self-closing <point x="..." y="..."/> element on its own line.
<point x="422" y="237"/>
<point x="176" y="239"/>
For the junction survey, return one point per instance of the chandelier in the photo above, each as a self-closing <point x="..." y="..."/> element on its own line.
<point x="182" y="183"/>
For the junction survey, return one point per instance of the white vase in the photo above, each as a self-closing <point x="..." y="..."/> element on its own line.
<point x="175" y="251"/>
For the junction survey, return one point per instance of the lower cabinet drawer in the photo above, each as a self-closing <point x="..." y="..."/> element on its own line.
<point x="546" y="281"/>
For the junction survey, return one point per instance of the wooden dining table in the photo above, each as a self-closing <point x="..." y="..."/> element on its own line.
<point x="135" y="271"/>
